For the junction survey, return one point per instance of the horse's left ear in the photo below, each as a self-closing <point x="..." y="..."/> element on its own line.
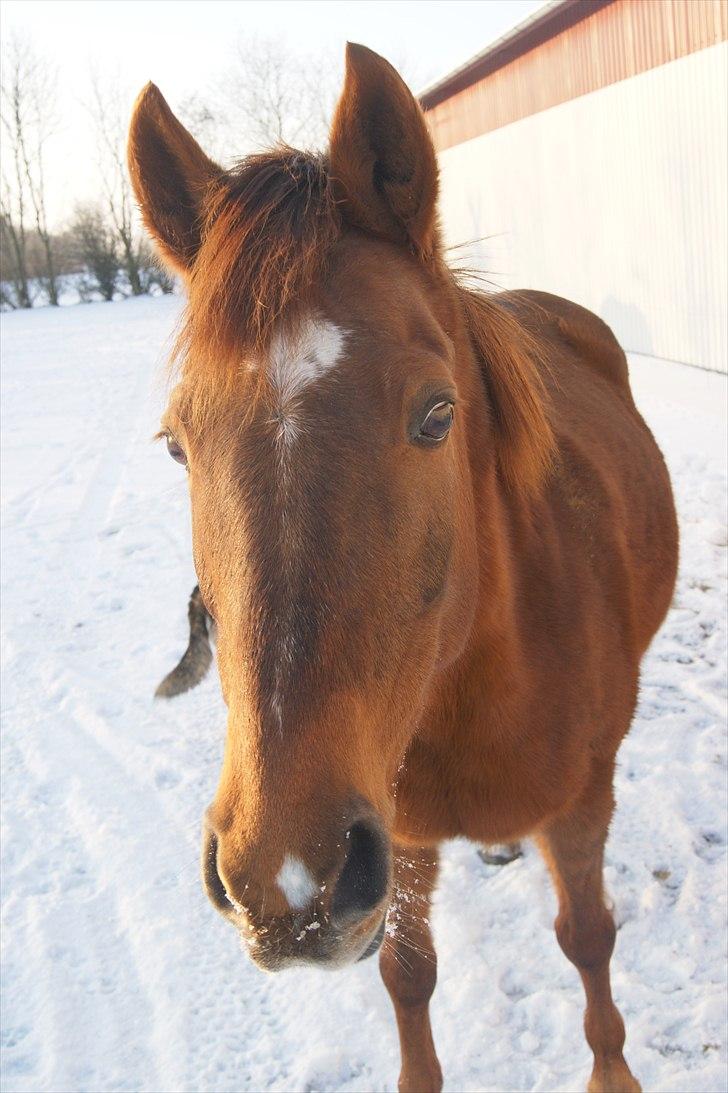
<point x="381" y="155"/>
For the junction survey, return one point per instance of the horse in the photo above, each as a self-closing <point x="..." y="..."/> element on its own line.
<point x="434" y="534"/>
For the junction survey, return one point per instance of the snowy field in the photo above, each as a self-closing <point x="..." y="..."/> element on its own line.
<point x="117" y="974"/>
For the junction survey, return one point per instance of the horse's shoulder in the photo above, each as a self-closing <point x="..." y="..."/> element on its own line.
<point x="564" y="323"/>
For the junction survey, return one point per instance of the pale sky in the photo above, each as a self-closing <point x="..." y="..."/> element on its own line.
<point x="183" y="44"/>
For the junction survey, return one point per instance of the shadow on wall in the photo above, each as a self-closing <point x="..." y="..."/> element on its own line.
<point x="629" y="325"/>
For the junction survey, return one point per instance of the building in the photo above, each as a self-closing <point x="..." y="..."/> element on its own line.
<point x="586" y="153"/>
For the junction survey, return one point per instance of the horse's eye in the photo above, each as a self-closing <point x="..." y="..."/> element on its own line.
<point x="176" y="451"/>
<point x="437" y="424"/>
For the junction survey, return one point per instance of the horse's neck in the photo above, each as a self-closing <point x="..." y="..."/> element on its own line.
<point x="495" y="624"/>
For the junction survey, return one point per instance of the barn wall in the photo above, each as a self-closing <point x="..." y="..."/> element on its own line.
<point x="616" y="199"/>
<point x="616" y="41"/>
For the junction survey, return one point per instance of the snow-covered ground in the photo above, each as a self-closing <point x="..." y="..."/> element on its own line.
<point x="117" y="974"/>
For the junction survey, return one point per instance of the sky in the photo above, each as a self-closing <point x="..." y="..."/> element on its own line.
<point x="182" y="45"/>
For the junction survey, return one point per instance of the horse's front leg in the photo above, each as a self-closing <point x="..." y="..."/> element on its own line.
<point x="573" y="846"/>
<point x="409" y="967"/>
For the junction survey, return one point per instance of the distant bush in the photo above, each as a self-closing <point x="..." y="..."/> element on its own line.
<point x="96" y="249"/>
<point x="92" y="264"/>
<point x="154" y="276"/>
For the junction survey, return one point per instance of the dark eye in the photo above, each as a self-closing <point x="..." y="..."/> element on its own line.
<point x="176" y="451"/>
<point x="437" y="424"/>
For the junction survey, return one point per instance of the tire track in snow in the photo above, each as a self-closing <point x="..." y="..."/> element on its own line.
<point x="110" y="787"/>
<point x="62" y="891"/>
<point x="124" y="845"/>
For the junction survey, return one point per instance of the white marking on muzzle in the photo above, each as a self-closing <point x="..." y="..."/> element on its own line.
<point x="296" y="883"/>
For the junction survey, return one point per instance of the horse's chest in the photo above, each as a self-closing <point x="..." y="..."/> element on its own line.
<point x="485" y="796"/>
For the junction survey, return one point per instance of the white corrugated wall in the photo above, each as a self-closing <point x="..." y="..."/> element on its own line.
<point x="617" y="200"/>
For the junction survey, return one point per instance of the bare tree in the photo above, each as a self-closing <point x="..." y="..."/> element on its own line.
<point x="97" y="250"/>
<point x="110" y="112"/>
<point x="15" y="281"/>
<point x="269" y="94"/>
<point x="202" y="115"/>
<point x="28" y="116"/>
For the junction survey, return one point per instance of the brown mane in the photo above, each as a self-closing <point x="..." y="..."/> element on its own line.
<point x="507" y="352"/>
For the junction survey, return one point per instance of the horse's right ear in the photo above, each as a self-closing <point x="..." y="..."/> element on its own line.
<point x="170" y="174"/>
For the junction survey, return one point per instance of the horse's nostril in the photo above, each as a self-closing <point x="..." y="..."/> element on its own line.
<point x="363" y="881"/>
<point x="213" y="882"/>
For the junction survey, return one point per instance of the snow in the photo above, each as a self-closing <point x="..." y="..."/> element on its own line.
<point x="117" y="974"/>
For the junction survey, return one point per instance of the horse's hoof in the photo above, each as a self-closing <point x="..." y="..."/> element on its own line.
<point x="429" y="1082"/>
<point x="614" y="1077"/>
<point x="500" y="853"/>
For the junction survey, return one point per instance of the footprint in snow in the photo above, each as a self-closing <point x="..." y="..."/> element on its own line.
<point x="166" y="779"/>
<point x="11" y="1037"/>
<point x="709" y="846"/>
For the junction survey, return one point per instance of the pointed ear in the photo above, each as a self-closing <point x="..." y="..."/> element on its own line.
<point x="170" y="174"/>
<point x="381" y="156"/>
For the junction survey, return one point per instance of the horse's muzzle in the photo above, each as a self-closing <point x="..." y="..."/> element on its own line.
<point x="341" y="922"/>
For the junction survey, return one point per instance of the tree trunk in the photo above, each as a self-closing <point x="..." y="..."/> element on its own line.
<point x="19" y="276"/>
<point x="51" y="279"/>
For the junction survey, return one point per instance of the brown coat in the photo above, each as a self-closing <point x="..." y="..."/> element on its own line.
<point x="436" y="538"/>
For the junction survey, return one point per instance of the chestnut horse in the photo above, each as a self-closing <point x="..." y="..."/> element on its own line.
<point x="435" y="536"/>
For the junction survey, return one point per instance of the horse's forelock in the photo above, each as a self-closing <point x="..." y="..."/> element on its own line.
<point x="269" y="225"/>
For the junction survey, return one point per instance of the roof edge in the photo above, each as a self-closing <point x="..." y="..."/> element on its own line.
<point x="554" y="18"/>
